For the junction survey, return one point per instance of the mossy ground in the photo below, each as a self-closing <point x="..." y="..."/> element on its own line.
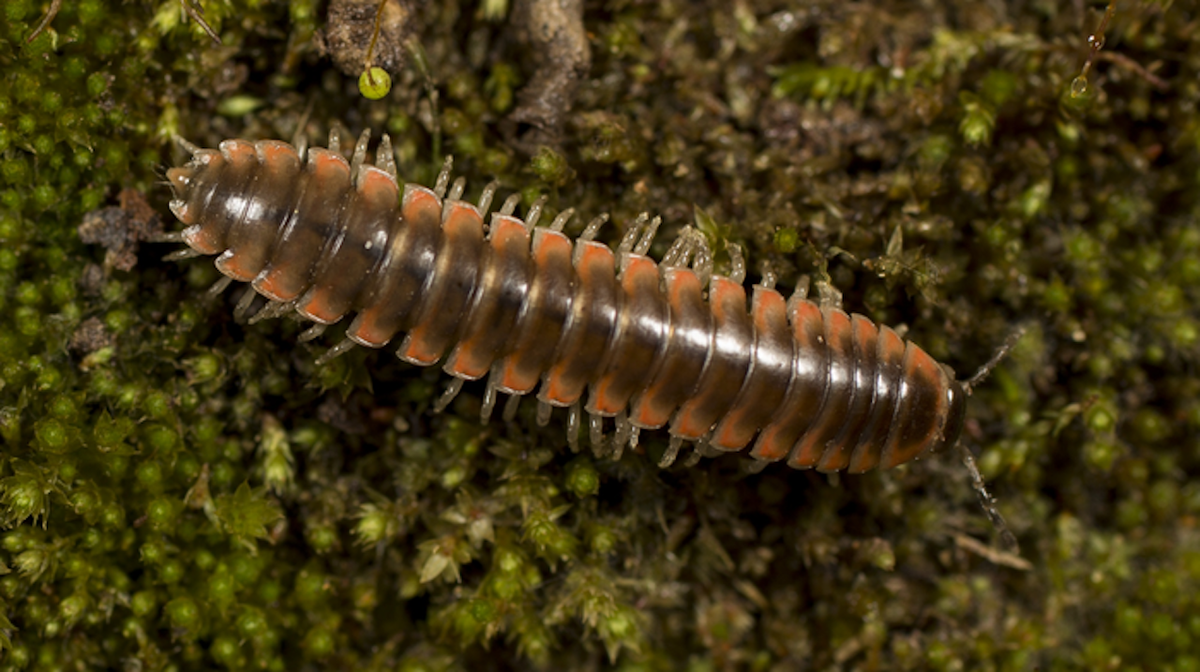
<point x="179" y="491"/>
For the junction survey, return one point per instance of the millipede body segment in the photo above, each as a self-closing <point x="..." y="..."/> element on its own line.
<point x="650" y="344"/>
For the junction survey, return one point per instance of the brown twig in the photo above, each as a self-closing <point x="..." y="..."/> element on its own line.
<point x="55" y="5"/>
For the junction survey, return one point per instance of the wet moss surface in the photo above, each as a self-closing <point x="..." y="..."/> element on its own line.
<point x="182" y="491"/>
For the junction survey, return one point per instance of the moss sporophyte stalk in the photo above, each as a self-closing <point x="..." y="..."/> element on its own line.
<point x="182" y="491"/>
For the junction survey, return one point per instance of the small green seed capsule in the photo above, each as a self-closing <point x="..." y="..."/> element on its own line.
<point x="374" y="83"/>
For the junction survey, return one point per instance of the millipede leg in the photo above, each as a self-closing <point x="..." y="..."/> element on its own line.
<point x="335" y="140"/>
<point x="335" y="351"/>
<point x="486" y="198"/>
<point x="668" y="458"/>
<point x="692" y="459"/>
<point x="535" y="212"/>
<point x="798" y="295"/>
<point x="510" y="407"/>
<point x="510" y="205"/>
<point x="167" y="237"/>
<point x="737" y="263"/>
<point x="593" y="227"/>
<point x="457" y="189"/>
<point x="312" y="332"/>
<point x="360" y="152"/>
<point x="768" y="276"/>
<point x="647" y="239"/>
<point x="624" y="430"/>
<point x="243" y="304"/>
<point x="680" y="251"/>
<point x="573" y="427"/>
<point x="561" y="220"/>
<point x="543" y="413"/>
<point x="448" y="396"/>
<point x="301" y="142"/>
<point x="443" y="178"/>
<point x="188" y="147"/>
<point x="596" y="434"/>
<point x="755" y="466"/>
<point x="385" y="157"/>
<point x="219" y="286"/>
<point x="702" y="263"/>
<point x="272" y="310"/>
<point x="185" y="253"/>
<point x="828" y="296"/>
<point x="634" y="435"/>
<point x="489" y="398"/>
<point x="631" y="235"/>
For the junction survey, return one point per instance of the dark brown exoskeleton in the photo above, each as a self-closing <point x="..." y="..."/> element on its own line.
<point x="522" y="304"/>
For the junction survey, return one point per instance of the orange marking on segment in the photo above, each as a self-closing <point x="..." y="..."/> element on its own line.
<point x="464" y="365"/>
<point x="688" y="426"/>
<point x="592" y="260"/>
<point x="416" y="350"/>
<point x="268" y="285"/>
<point x="837" y="456"/>
<point x="767" y="308"/>
<point x="726" y="296"/>
<point x="812" y="444"/>
<point x="681" y="282"/>
<point x="891" y="350"/>
<point x="548" y="244"/>
<point x="376" y="185"/>
<point x="238" y="150"/>
<point x="772" y="444"/>
<point x="649" y="411"/>
<point x="325" y="164"/>
<point x="640" y="272"/>
<point x="317" y="307"/>
<point x="200" y="240"/>
<point x="366" y="330"/>
<point x="460" y="220"/>
<point x="555" y="392"/>
<point x="504" y="229"/>
<point x="462" y="217"/>
<point x="921" y="373"/>
<point x="730" y="436"/>
<point x="511" y="378"/>
<point x="769" y="446"/>
<point x="271" y="151"/>
<point x="644" y="415"/>
<point x="420" y="202"/>
<point x="230" y="264"/>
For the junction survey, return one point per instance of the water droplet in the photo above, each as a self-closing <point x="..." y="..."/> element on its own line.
<point x="1079" y="86"/>
<point x="1096" y="42"/>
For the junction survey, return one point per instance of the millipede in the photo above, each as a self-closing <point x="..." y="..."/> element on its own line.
<point x="604" y="333"/>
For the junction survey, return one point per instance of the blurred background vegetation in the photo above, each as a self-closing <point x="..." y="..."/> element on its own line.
<point x="180" y="491"/>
